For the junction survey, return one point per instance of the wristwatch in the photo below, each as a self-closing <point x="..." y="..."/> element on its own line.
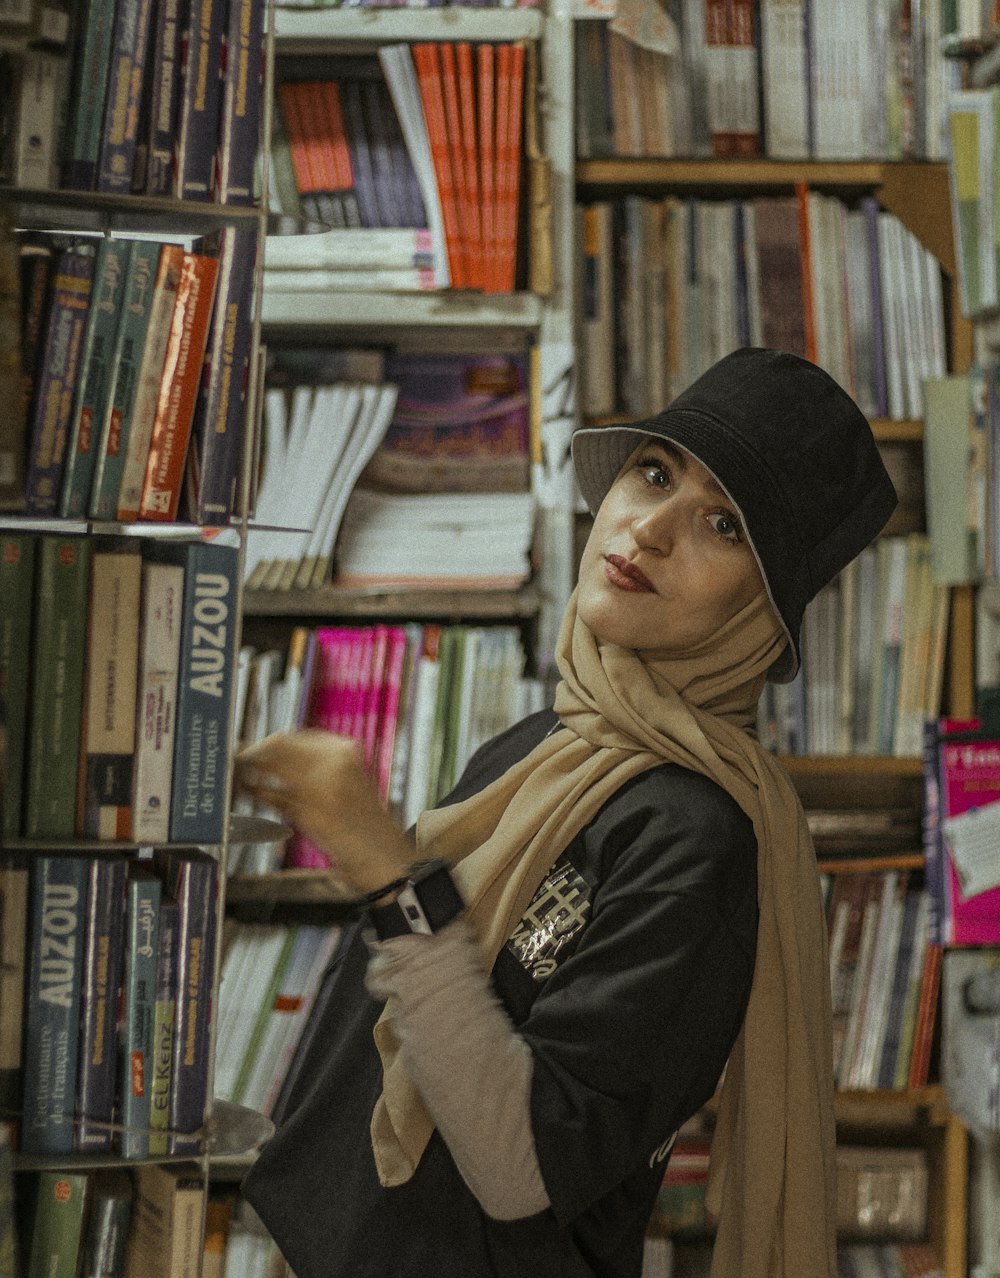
<point x="424" y="904"/>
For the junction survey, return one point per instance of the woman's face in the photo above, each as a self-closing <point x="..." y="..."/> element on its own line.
<point x="667" y="562"/>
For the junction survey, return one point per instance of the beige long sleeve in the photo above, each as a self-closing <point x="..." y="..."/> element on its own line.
<point x="468" y="1062"/>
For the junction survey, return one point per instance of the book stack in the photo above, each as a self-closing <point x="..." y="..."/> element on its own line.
<point x="789" y="81"/>
<point x="134" y="360"/>
<point x="136" y="937"/>
<point x="421" y="699"/>
<point x="150" y="99"/>
<point x="884" y="979"/>
<point x="120" y="653"/>
<point x="423" y="141"/>
<point x="873" y="645"/>
<point x="667" y="287"/>
<point x="270" y="977"/>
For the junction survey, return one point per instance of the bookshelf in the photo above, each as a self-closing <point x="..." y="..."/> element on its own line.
<point x="216" y="1131"/>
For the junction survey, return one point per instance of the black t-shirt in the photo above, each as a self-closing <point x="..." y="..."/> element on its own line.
<point x="628" y="978"/>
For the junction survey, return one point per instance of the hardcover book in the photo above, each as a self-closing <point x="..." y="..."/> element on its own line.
<point x="200" y="98"/>
<point x="243" y="66"/>
<point x="164" y="1025"/>
<point x="17" y="571"/>
<point x="60" y="1207"/>
<point x="57" y="931"/>
<point x="91" y="62"/>
<point x="164" y="97"/>
<point x="121" y="110"/>
<point x="144" y="894"/>
<point x="13" y="938"/>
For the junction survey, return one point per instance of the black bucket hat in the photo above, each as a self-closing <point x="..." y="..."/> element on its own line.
<point x="793" y="452"/>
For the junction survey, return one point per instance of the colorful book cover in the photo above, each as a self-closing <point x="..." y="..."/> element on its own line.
<point x="205" y="685"/>
<point x="200" y="98"/>
<point x="217" y="431"/>
<point x="67" y="315"/>
<point x="13" y="953"/>
<point x="389" y="709"/>
<point x="969" y="772"/>
<point x="103" y="952"/>
<point x="60" y="1208"/>
<point x="124" y="86"/>
<point x="102" y="347"/>
<point x="57" y="676"/>
<point x="117" y="420"/>
<point x="181" y="378"/>
<point x="143" y="897"/>
<point x="159" y="662"/>
<point x="191" y="877"/>
<point x="428" y="69"/>
<point x="17" y="573"/>
<point x="241" y="90"/>
<point x="57" y="930"/>
<point x="149" y="380"/>
<point x="164" y="1025"/>
<point x="109" y="723"/>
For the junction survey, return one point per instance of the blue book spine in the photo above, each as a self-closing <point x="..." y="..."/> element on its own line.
<point x="57" y="374"/>
<point x="83" y="124"/>
<point x="164" y="94"/>
<point x="121" y="113"/>
<point x="243" y="73"/>
<point x="217" y="430"/>
<point x="191" y="876"/>
<point x="57" y="927"/>
<point x="102" y="974"/>
<point x="204" y="691"/>
<point x="138" y="1008"/>
<point x="164" y="1025"/>
<point x="200" y="98"/>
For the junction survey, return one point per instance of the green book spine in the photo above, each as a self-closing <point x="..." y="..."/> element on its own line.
<point x="17" y="567"/>
<point x="132" y="338"/>
<point x="58" y="1227"/>
<point x="60" y="628"/>
<point x="263" y="1016"/>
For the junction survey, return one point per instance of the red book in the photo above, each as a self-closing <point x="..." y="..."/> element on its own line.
<point x="388" y="710"/>
<point x="504" y="54"/>
<point x="805" y="249"/>
<point x="923" y="1032"/>
<point x="470" y="160"/>
<point x="460" y="173"/>
<point x="179" y="388"/>
<point x="302" y="142"/>
<point x="509" y="169"/>
<point x="425" y="59"/>
<point x="485" y="90"/>
<point x="335" y="136"/>
<point x="372" y="692"/>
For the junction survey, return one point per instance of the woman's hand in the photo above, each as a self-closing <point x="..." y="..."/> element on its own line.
<point x="319" y="783"/>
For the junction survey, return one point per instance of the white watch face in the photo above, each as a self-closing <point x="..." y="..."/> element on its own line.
<point x="413" y="911"/>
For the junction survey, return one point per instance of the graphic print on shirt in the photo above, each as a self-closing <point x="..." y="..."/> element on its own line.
<point x="556" y="916"/>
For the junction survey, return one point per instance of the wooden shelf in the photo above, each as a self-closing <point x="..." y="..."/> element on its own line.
<point x="303" y="312"/>
<point x="826" y="765"/>
<point x="286" y="887"/>
<point x="96" y="211"/>
<point x="333" y="601"/>
<point x="868" y="864"/>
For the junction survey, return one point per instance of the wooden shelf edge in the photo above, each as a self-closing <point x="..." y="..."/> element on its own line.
<point x="331" y="601"/>
<point x="820" y="765"/>
<point x="741" y="173"/>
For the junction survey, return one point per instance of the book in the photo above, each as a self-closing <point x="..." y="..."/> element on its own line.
<point x="57" y="929"/>
<point x="156" y="710"/>
<point x="161" y="99"/>
<point x="57" y="672"/>
<point x="36" y="93"/>
<point x="116" y="422"/>
<point x="109" y="1216"/>
<point x="191" y="877"/>
<point x="203" y="25"/>
<point x="91" y="62"/>
<point x="9" y="1245"/>
<point x="217" y="430"/>
<point x="243" y="68"/>
<point x="14" y="424"/>
<point x="57" y="372"/>
<point x="130" y="36"/>
<point x="166" y="1236"/>
<point x="38" y="259"/>
<point x="59" y="1212"/>
<point x="204" y="692"/>
<point x="17" y="571"/>
<point x="99" y="360"/>
<point x="13" y="951"/>
<point x="181" y="378"/>
<point x="143" y="897"/>
<point x="164" y="1025"/>
<point x="103" y="954"/>
<point x="109" y="719"/>
<point x="148" y="380"/>
<point x="218" y="1218"/>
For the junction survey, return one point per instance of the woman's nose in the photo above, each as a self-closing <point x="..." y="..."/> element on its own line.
<point x="656" y="529"/>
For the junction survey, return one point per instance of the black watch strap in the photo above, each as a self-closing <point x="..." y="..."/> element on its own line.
<point x="424" y="904"/>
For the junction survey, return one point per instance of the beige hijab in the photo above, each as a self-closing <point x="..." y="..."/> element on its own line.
<point x="772" y="1178"/>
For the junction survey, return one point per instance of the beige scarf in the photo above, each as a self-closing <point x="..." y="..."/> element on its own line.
<point x="772" y="1178"/>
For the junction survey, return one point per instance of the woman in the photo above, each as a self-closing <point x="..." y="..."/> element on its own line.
<point x="637" y="906"/>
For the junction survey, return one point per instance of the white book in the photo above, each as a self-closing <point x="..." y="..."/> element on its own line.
<point x="247" y="1000"/>
<point x="867" y="1056"/>
<point x="751" y="257"/>
<point x="889" y="277"/>
<point x="861" y="311"/>
<point x="351" y="249"/>
<point x="159" y="656"/>
<point x="305" y="941"/>
<point x="784" y="78"/>
<point x="428" y="673"/>
<point x="412" y="279"/>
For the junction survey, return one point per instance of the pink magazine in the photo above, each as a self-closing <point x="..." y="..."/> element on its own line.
<point x="969" y="773"/>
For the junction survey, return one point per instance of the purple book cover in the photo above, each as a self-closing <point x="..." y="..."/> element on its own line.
<point x="404" y="174"/>
<point x="121" y="111"/>
<point x="390" y="208"/>
<point x="200" y="98"/>
<point x="870" y="209"/>
<point x="361" y="157"/>
<point x="242" y="78"/>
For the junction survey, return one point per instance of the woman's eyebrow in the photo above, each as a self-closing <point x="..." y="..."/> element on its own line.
<point x="680" y="459"/>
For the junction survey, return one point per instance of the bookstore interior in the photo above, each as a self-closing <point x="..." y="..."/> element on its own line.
<point x="300" y="306"/>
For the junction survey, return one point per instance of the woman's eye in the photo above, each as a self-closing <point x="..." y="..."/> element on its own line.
<point x="726" y="525"/>
<point x="654" y="473"/>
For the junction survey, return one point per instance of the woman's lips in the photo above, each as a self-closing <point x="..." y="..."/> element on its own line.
<point x="626" y="576"/>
